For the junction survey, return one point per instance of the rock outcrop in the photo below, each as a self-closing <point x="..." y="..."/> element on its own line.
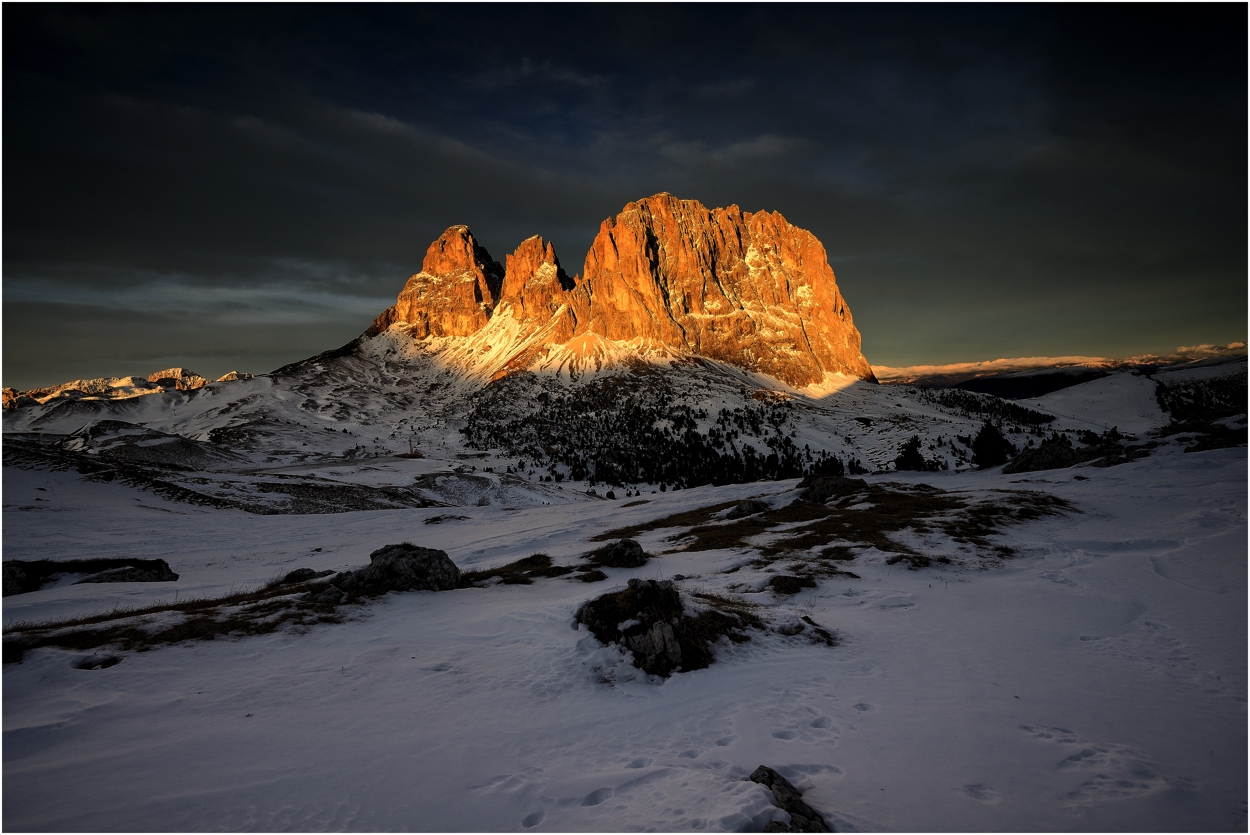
<point x="803" y="818"/>
<point x="402" y="567"/>
<point x="648" y="618"/>
<point x="453" y="295"/>
<point x="746" y="288"/>
<point x="24" y="576"/>
<point x="641" y="619"/>
<point x="535" y="286"/>
<point x="623" y="554"/>
<point x="182" y="379"/>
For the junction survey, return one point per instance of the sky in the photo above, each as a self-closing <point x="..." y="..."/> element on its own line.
<point x="242" y="186"/>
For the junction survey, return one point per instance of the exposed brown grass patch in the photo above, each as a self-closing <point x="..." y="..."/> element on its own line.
<point x="188" y="605"/>
<point x="521" y="572"/>
<point x="882" y="512"/>
<point x="686" y="518"/>
<point x="258" y="612"/>
<point x="819" y="633"/>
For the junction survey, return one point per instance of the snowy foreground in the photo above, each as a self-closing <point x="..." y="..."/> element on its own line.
<point x="1094" y="681"/>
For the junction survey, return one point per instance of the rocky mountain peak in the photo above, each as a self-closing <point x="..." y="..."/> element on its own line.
<point x="457" y="255"/>
<point x="116" y="388"/>
<point x="453" y="295"/>
<point x="177" y="378"/>
<point x="745" y="288"/>
<point x="534" y="284"/>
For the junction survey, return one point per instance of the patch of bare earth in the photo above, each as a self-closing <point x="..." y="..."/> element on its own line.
<point x="820" y="538"/>
<point x="258" y="612"/>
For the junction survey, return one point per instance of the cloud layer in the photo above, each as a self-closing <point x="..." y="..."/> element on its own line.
<point x="255" y="183"/>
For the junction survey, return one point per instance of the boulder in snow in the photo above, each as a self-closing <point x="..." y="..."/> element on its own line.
<point x="302" y="575"/>
<point x="648" y="618"/>
<point x="329" y="594"/>
<point x="624" y="554"/>
<point x="803" y="818"/>
<point x="402" y="567"/>
<point x="154" y="571"/>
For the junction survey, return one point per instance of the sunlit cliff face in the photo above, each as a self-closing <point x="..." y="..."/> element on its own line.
<point x="667" y="275"/>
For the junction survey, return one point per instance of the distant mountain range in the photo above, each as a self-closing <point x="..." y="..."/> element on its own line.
<point x="1025" y="377"/>
<point x="116" y="388"/>
<point x="665" y="280"/>
<point x="697" y="346"/>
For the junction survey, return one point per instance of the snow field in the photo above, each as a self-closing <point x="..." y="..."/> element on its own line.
<point x="1097" y="681"/>
<point x="1124" y="400"/>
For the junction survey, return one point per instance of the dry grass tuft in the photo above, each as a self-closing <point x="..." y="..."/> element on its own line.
<point x="824" y="535"/>
<point x="676" y="520"/>
<point x="521" y="572"/>
<point x="258" y="612"/>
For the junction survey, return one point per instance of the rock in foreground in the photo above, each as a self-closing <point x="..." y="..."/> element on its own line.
<point x="24" y="576"/>
<point x="623" y="554"/>
<point x="648" y="619"/>
<point x="402" y="567"/>
<point x="803" y="818"/>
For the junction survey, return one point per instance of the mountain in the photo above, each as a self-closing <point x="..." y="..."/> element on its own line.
<point x="664" y="277"/>
<point x="1027" y="377"/>
<point x="697" y="346"/>
<point x="116" y="388"/>
<point x="454" y="293"/>
<point x="665" y="280"/>
<point x="614" y="480"/>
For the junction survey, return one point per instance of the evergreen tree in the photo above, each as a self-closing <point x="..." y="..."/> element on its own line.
<point x="909" y="457"/>
<point x="990" y="448"/>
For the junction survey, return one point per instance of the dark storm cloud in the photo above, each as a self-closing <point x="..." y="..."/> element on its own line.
<point x="987" y="180"/>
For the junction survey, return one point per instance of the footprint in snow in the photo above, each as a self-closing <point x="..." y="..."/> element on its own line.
<point x="1051" y="734"/>
<point x="821" y="722"/>
<point x="725" y="742"/>
<point x="596" y="797"/>
<point x="983" y="792"/>
<point x="862" y="707"/>
<point x="530" y="821"/>
<point x="784" y="734"/>
<point x="639" y="762"/>
<point x="1114" y="771"/>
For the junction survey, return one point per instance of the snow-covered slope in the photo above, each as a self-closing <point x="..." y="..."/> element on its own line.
<point x="1098" y="404"/>
<point x="1096" y="681"/>
<point x="346" y="415"/>
<point x="1066" y="651"/>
